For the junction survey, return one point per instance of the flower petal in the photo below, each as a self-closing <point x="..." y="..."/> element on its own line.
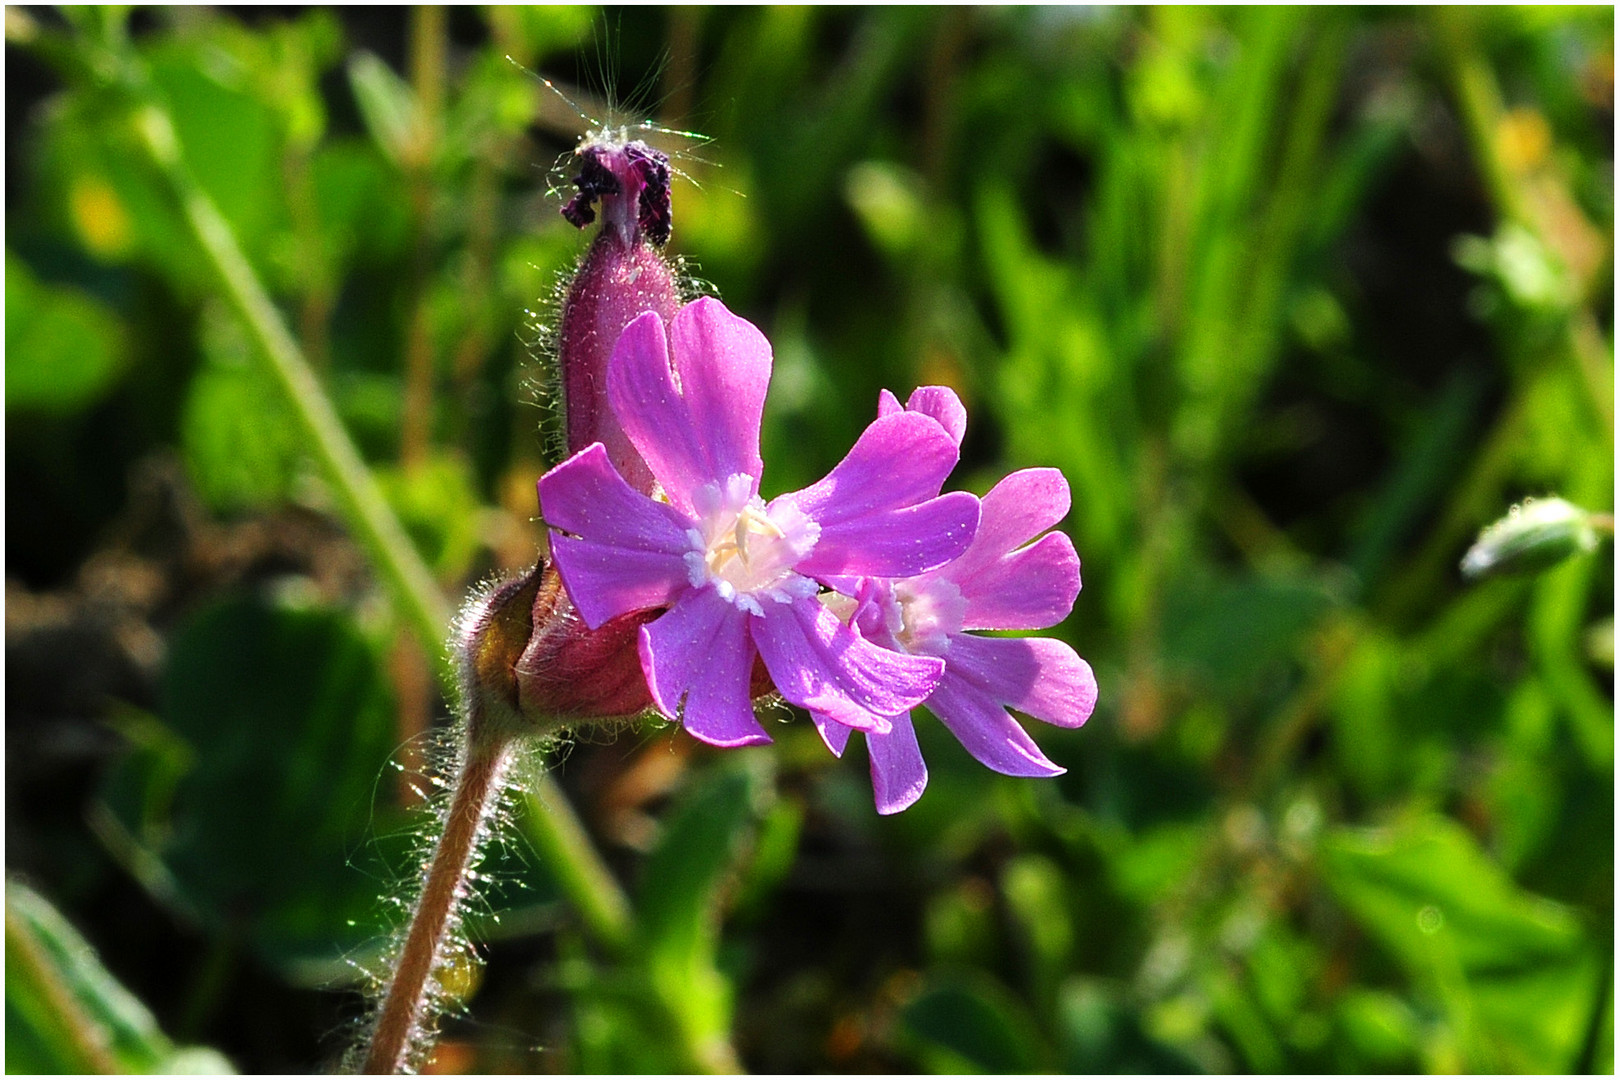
<point x="898" y="772"/>
<point x="943" y="405"/>
<point x="1031" y="589"/>
<point x="983" y="727"/>
<point x="586" y="496"/>
<point x="899" y="460"/>
<point x="698" y="664"/>
<point x="1043" y="677"/>
<point x="834" y="734"/>
<point x="896" y="543"/>
<point x="630" y="555"/>
<point x="1015" y="511"/>
<point x="605" y="581"/>
<point x="870" y="618"/>
<point x="822" y="665"/>
<point x="695" y="420"/>
<point x="877" y="509"/>
<point x="940" y="402"/>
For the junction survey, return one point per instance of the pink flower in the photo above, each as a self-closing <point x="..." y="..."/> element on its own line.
<point x="998" y="583"/>
<point x="739" y="576"/>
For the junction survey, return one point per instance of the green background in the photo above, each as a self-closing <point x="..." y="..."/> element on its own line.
<point x="1298" y="300"/>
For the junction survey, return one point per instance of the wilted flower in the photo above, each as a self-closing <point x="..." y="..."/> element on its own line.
<point x="622" y="276"/>
<point x="1001" y="582"/>
<point x="739" y="575"/>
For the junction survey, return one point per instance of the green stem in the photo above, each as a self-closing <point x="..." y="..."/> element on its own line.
<point x="360" y="501"/>
<point x="564" y="845"/>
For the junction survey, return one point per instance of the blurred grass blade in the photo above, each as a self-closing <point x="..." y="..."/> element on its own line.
<point x="66" y="1014"/>
<point x="680" y="909"/>
<point x="390" y="109"/>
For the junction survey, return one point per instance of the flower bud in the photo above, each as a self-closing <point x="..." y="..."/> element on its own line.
<point x="1536" y="534"/>
<point x="528" y="661"/>
<point x="621" y="277"/>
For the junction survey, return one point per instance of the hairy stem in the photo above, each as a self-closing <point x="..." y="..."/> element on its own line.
<point x="403" y="1018"/>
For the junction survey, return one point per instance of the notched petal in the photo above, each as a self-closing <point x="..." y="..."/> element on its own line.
<point x="691" y="403"/>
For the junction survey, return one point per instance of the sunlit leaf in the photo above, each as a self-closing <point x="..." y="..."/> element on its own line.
<point x="389" y="107"/>
<point x="439" y="507"/>
<point x="239" y="443"/>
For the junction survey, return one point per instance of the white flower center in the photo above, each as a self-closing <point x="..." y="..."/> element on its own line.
<point x="922" y="612"/>
<point x="744" y="551"/>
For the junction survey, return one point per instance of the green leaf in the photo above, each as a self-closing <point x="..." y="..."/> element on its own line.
<point x="287" y="722"/>
<point x="1038" y="897"/>
<point x="1101" y="1033"/>
<point x="889" y="202"/>
<point x="439" y="507"/>
<point x="1466" y="934"/>
<point x="960" y="924"/>
<point x="387" y="104"/>
<point x="532" y="30"/>
<point x="683" y="890"/>
<point x="65" y="1013"/>
<point x="1379" y="1029"/>
<point x="64" y="348"/>
<point x="775" y="850"/>
<point x="680" y="898"/>
<point x="1432" y="455"/>
<point x="94" y="179"/>
<point x="967" y="1022"/>
<point x="229" y="139"/>
<point x="1158" y="859"/>
<point x="361" y="208"/>
<point x="239" y="442"/>
<point x="1230" y="630"/>
<point x="669" y="1008"/>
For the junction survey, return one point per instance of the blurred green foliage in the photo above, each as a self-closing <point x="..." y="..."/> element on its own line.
<point x="1298" y="299"/>
<point x="66" y="1014"/>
